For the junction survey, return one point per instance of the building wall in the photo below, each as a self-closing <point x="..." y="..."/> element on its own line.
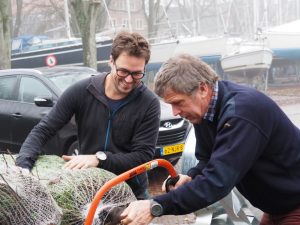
<point x="120" y="19"/>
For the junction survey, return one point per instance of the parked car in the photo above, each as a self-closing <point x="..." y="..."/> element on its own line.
<point x="26" y="95"/>
<point x="172" y="134"/>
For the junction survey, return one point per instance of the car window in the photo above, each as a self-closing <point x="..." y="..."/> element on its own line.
<point x="31" y="88"/>
<point x="64" y="80"/>
<point x="7" y="87"/>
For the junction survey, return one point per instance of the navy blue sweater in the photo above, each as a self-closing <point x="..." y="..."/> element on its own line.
<point x="251" y="144"/>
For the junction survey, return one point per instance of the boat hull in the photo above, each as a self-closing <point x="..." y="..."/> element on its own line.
<point x="283" y="40"/>
<point x="64" y="55"/>
<point x="249" y="63"/>
<point x="199" y="46"/>
<point x="160" y="52"/>
<point x="249" y="68"/>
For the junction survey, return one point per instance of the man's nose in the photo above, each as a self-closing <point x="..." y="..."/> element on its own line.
<point x="129" y="79"/>
<point x="175" y="110"/>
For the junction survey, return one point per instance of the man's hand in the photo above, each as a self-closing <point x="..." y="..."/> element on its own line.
<point x="182" y="180"/>
<point x="137" y="212"/>
<point x="80" y="161"/>
<point x="24" y="171"/>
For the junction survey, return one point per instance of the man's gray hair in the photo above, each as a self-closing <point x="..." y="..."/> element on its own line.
<point x="183" y="74"/>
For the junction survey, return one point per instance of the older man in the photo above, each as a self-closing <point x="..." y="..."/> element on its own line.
<point x="244" y="140"/>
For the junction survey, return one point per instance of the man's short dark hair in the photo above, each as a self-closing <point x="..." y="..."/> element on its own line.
<point x="133" y="44"/>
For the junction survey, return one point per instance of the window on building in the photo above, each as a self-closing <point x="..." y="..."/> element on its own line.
<point x="113" y="22"/>
<point x="138" y="24"/>
<point x="125" y="23"/>
<point x="121" y="5"/>
<point x="132" y="6"/>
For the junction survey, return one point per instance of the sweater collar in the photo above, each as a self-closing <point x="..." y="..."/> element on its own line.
<point x="97" y="89"/>
<point x="211" y="111"/>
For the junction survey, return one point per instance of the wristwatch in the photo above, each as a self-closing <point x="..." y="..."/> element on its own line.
<point x="101" y="156"/>
<point x="156" y="209"/>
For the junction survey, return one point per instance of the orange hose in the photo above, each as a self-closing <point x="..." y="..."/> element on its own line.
<point x="125" y="176"/>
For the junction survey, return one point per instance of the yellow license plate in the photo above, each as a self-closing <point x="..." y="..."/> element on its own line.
<point x="172" y="149"/>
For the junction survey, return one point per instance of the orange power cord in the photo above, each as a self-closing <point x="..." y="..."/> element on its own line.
<point x="123" y="177"/>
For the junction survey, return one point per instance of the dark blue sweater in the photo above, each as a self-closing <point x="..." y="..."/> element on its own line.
<point x="251" y="144"/>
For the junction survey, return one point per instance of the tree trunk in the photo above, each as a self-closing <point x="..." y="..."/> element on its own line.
<point x="151" y="19"/>
<point x="86" y="15"/>
<point x="18" y="21"/>
<point x="102" y="17"/>
<point x="154" y="15"/>
<point x="5" y="36"/>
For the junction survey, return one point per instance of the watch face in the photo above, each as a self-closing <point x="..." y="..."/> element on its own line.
<point x="101" y="155"/>
<point x="156" y="209"/>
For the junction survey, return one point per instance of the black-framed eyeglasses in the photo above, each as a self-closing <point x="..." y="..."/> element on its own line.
<point x="136" y="75"/>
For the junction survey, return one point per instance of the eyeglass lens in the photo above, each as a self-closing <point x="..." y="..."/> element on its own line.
<point x="125" y="73"/>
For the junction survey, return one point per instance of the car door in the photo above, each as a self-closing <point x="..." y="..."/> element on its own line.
<point x="25" y="113"/>
<point x="7" y="98"/>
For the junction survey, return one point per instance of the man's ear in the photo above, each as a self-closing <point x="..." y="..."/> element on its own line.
<point x="111" y="61"/>
<point x="203" y="89"/>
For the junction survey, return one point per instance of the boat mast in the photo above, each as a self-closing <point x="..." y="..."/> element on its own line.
<point x="129" y="15"/>
<point x="193" y="18"/>
<point x="297" y="9"/>
<point x="109" y="17"/>
<point x="168" y="21"/>
<point x="255" y="17"/>
<point x="67" y="19"/>
<point x="221" y="16"/>
<point x="266" y="25"/>
<point x="279" y="12"/>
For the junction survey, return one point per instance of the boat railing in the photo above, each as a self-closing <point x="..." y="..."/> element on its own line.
<point x="50" y="45"/>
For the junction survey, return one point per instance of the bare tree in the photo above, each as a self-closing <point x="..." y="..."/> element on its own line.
<point x="86" y="12"/>
<point x="154" y="15"/>
<point x="59" y="9"/>
<point x="5" y="36"/>
<point x="102" y="16"/>
<point x="38" y="17"/>
<point x="18" y="20"/>
<point x="201" y="9"/>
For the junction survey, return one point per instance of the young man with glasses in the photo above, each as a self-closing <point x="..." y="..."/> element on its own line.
<point x="117" y="116"/>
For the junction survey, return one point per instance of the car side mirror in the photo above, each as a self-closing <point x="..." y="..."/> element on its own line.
<point x="44" y="101"/>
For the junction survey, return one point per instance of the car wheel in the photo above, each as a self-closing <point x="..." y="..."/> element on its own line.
<point x="73" y="149"/>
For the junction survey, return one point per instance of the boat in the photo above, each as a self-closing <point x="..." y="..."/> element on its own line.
<point x="163" y="50"/>
<point x="49" y="53"/>
<point x="249" y="66"/>
<point x="202" y="46"/>
<point x="288" y="31"/>
<point x="284" y="40"/>
<point x="249" y="62"/>
<point x="24" y="42"/>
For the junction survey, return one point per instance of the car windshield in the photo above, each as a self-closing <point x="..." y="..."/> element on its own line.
<point x="64" y="80"/>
